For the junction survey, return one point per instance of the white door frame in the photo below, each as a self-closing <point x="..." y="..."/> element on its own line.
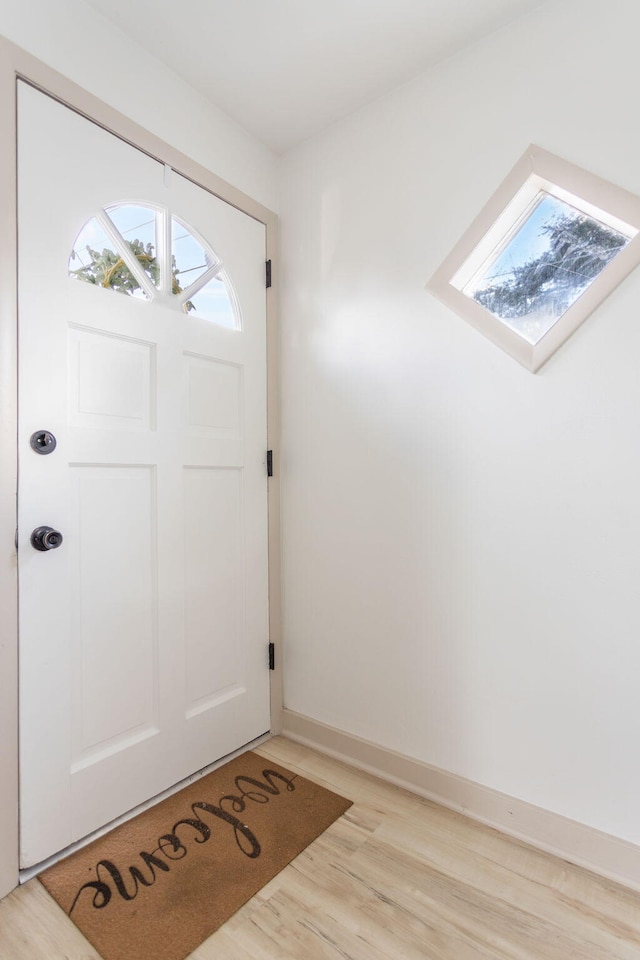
<point x="16" y="63"/>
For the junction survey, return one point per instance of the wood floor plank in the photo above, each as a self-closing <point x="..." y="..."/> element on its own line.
<point x="33" y="927"/>
<point x="506" y="882"/>
<point x="396" y="878"/>
<point x="376" y="916"/>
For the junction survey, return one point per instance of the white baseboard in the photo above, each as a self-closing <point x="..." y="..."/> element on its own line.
<point x="608" y="856"/>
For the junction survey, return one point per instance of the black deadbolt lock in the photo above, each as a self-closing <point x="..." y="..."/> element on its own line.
<point x="43" y="442"/>
<point x="46" y="538"/>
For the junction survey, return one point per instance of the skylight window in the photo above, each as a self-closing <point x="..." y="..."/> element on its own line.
<point x="549" y="246"/>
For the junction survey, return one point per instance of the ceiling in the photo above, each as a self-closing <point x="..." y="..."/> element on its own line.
<point x="285" y="69"/>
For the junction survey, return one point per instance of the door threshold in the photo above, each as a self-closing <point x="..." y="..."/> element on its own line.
<point x="28" y="873"/>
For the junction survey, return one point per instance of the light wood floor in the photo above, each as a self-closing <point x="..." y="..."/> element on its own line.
<point x="397" y="877"/>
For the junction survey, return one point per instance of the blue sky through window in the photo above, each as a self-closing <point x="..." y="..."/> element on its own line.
<point x="212" y="302"/>
<point x="135" y="222"/>
<point x="529" y="242"/>
<point x="190" y="256"/>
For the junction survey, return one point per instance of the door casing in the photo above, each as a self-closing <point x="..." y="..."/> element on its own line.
<point x="16" y="63"/>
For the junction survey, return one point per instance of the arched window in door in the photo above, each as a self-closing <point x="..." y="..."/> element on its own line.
<point x="146" y="252"/>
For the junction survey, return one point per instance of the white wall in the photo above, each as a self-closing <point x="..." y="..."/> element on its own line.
<point x="460" y="536"/>
<point x="72" y="38"/>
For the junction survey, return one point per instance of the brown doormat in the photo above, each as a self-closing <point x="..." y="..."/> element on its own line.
<point x="157" y="886"/>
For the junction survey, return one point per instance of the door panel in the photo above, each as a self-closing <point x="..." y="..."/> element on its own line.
<point x="110" y="381"/>
<point x="143" y="636"/>
<point x="213" y="512"/>
<point x="113" y="498"/>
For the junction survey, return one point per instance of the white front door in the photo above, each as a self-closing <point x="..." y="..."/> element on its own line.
<point x="142" y="350"/>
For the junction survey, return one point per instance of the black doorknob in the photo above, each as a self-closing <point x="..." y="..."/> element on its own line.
<point x="43" y="441"/>
<point x="46" y="538"/>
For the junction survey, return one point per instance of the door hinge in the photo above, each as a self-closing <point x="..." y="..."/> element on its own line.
<point x="268" y="273"/>
<point x="272" y="656"/>
<point x="269" y="463"/>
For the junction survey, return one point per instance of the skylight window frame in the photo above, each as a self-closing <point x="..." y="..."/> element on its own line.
<point x="498" y="222"/>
